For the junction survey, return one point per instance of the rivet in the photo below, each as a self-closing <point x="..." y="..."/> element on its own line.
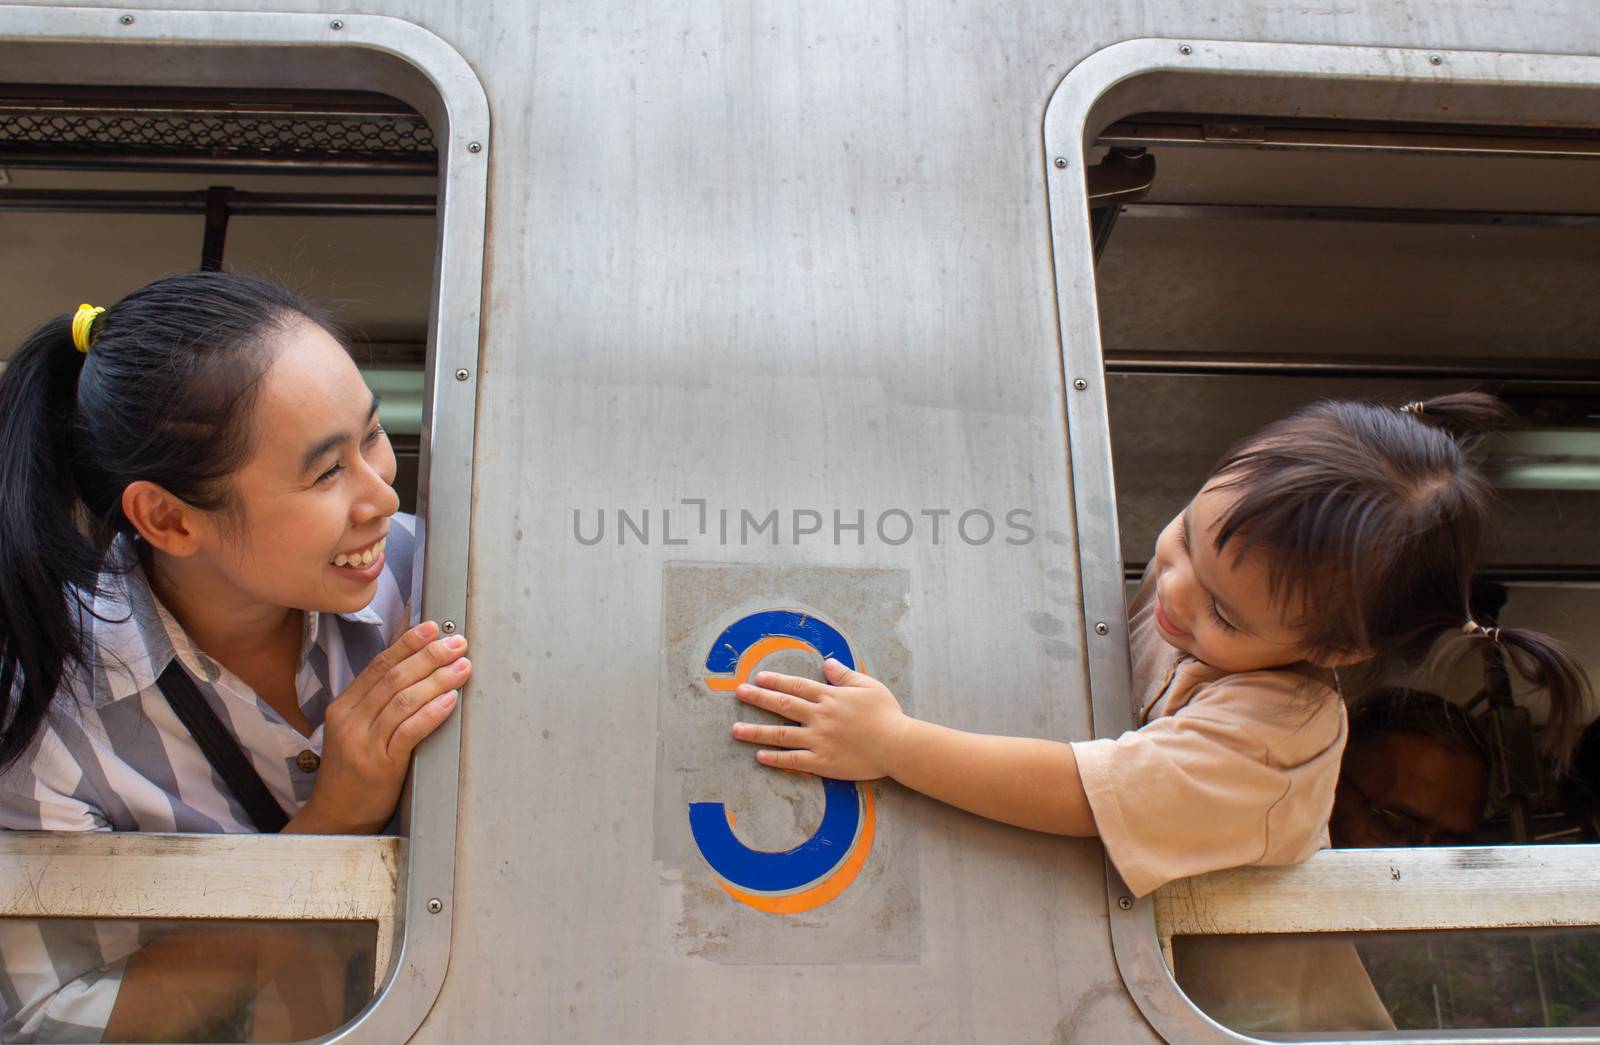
<point x="336" y="25"/>
<point x="474" y="147"/>
<point x="1125" y="902"/>
<point x="448" y="627"/>
<point x="1101" y="627"/>
<point x="126" y="19"/>
<point x="1079" y="383"/>
<point x="1435" y="59"/>
<point x="1185" y="49"/>
<point x="1061" y="161"/>
<point x="435" y="905"/>
<point x="462" y="375"/>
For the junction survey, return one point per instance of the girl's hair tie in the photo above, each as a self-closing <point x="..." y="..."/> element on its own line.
<point x="1473" y="628"/>
<point x="1416" y="408"/>
<point x="83" y="326"/>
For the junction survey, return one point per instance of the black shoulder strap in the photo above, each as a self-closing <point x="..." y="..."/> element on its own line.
<point x="221" y="749"/>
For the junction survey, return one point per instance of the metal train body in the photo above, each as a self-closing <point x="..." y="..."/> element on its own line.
<point x="777" y="331"/>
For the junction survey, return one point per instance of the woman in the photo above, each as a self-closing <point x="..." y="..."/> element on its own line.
<point x="200" y="559"/>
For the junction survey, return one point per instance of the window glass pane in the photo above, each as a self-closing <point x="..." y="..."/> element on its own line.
<point x="1407" y="981"/>
<point x="70" y="980"/>
<point x="1549" y="978"/>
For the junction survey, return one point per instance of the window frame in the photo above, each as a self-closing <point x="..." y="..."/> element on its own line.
<point x="136" y="46"/>
<point x="1234" y="76"/>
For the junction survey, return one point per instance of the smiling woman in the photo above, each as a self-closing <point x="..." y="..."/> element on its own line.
<point x="206" y="624"/>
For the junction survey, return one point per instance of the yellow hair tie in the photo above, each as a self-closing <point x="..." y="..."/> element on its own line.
<point x="83" y="325"/>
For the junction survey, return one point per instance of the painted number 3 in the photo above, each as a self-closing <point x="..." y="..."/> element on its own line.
<point x="824" y="865"/>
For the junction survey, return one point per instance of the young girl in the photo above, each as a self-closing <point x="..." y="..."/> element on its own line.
<point x="198" y="542"/>
<point x="1344" y="534"/>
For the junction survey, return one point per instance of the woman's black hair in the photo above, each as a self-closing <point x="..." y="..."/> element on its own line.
<point x="1371" y="518"/>
<point x="164" y="394"/>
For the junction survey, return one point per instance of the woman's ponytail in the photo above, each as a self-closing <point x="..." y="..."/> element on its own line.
<point x="47" y="567"/>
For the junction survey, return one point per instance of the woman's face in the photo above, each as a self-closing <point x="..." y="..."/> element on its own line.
<point x="1215" y="606"/>
<point x="315" y="495"/>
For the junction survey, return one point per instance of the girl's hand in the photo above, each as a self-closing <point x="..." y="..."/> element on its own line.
<point x="848" y="730"/>
<point x="373" y="726"/>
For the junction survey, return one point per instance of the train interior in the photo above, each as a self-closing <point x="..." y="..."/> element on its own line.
<point x="333" y="194"/>
<point x="1244" y="267"/>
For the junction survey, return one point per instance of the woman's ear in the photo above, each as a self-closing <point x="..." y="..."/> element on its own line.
<point x="161" y="518"/>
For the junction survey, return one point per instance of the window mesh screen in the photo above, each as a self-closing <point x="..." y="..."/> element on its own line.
<point x="206" y="126"/>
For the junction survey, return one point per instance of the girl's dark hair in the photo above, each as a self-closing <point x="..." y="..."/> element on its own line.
<point x="164" y="394"/>
<point x="1371" y="518"/>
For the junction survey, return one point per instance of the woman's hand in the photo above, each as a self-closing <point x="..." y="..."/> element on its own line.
<point x="849" y="729"/>
<point x="373" y="726"/>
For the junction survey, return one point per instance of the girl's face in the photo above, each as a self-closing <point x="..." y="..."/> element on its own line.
<point x="316" y="489"/>
<point x="1219" y="607"/>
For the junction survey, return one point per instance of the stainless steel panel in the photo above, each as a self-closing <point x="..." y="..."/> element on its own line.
<point x="794" y="260"/>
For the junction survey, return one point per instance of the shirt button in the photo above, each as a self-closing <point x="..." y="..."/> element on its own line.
<point x="308" y="761"/>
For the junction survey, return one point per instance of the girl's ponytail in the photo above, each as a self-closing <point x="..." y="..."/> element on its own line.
<point x="1542" y="661"/>
<point x="47" y="567"/>
<point x="1464" y="415"/>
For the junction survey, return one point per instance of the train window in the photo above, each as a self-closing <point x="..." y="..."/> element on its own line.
<point x="353" y="171"/>
<point x="189" y="938"/>
<point x="1296" y="244"/>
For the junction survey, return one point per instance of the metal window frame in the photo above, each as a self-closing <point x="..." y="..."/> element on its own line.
<point x="236" y="49"/>
<point x="1169" y="75"/>
<point x="1391" y="890"/>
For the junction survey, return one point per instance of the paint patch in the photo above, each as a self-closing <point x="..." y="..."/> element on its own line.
<point x="761" y="866"/>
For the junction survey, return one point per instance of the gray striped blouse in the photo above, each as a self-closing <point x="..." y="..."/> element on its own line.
<point x="113" y="756"/>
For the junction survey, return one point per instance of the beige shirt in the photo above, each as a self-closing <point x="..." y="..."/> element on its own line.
<point x="1224" y="769"/>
